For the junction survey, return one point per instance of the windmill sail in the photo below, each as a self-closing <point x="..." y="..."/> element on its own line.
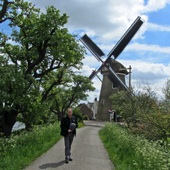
<point x="122" y="43"/>
<point x="113" y="78"/>
<point x="116" y="50"/>
<point x="92" y="47"/>
<point x="116" y="80"/>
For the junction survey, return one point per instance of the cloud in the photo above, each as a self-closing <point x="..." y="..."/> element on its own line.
<point x="105" y="21"/>
<point x="152" y="52"/>
<point x="96" y="93"/>
<point x="155" y="27"/>
<point x="146" y="67"/>
<point x="139" y="47"/>
<point x="148" y="76"/>
<point x="155" y="5"/>
<point x="143" y="74"/>
<point x="146" y="47"/>
<point x="91" y="62"/>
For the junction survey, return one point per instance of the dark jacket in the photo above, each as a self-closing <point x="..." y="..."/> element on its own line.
<point x="65" y="124"/>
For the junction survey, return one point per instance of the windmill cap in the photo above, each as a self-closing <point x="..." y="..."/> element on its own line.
<point x="72" y="126"/>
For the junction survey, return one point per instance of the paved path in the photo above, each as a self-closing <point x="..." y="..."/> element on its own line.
<point x="88" y="152"/>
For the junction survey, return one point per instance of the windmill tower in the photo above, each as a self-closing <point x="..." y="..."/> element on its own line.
<point x="113" y="71"/>
<point x="108" y="88"/>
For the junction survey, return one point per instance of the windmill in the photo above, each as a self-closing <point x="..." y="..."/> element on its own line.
<point x="113" y="72"/>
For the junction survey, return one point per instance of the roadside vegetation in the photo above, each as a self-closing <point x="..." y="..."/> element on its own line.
<point x="23" y="147"/>
<point x="143" y="114"/>
<point x="132" y="152"/>
<point x="39" y="65"/>
<point x="142" y="139"/>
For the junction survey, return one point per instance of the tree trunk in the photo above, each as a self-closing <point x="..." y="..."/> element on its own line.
<point x="28" y="126"/>
<point x="7" y="121"/>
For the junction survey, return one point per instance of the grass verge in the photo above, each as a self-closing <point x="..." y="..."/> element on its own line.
<point x="129" y="152"/>
<point x="24" y="147"/>
<point x="20" y="150"/>
<point x="80" y="124"/>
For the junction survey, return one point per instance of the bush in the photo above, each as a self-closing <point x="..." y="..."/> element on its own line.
<point x="132" y="152"/>
<point x="77" y="112"/>
<point x="143" y="111"/>
<point x="20" y="150"/>
<point x="154" y="127"/>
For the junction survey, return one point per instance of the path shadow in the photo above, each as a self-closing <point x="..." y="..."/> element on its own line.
<point x="52" y="165"/>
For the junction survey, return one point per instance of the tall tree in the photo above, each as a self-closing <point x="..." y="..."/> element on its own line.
<point x="41" y="54"/>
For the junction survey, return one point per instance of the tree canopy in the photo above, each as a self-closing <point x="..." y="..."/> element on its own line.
<point x="143" y="113"/>
<point x="37" y="65"/>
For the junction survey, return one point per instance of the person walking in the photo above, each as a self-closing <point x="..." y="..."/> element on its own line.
<point x="115" y="116"/>
<point x="111" y="114"/>
<point x="68" y="130"/>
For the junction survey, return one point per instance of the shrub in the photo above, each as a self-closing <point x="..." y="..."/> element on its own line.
<point x="155" y="126"/>
<point x="20" y="150"/>
<point x="77" y="112"/>
<point x="131" y="152"/>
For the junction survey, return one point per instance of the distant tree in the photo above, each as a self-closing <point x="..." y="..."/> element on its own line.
<point x="132" y="105"/>
<point x="71" y="95"/>
<point x="165" y="103"/>
<point x="166" y="90"/>
<point x="79" y="115"/>
<point x="125" y="105"/>
<point x="143" y="113"/>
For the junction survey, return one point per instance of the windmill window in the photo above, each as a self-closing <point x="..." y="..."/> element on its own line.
<point x="113" y="86"/>
<point x="102" y="101"/>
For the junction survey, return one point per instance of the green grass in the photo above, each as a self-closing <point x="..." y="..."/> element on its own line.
<point x="24" y="147"/>
<point x="20" y="150"/>
<point x="80" y="124"/>
<point x="129" y="152"/>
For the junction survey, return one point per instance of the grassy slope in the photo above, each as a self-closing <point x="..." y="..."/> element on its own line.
<point x="21" y="150"/>
<point x="129" y="152"/>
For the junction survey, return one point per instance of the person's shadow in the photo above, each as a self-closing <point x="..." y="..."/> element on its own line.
<point x="52" y="165"/>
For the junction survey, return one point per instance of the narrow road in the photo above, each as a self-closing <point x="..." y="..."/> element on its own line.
<point x="88" y="152"/>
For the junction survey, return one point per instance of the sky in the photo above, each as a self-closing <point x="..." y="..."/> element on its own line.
<point x="105" y="21"/>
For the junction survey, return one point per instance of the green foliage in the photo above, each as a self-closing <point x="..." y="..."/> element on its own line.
<point x="71" y="94"/>
<point x="155" y="127"/>
<point x="125" y="104"/>
<point x="80" y="124"/>
<point x="141" y="112"/>
<point x="165" y="104"/>
<point x="166" y="90"/>
<point x="37" y="62"/>
<point x="20" y="150"/>
<point x="132" y="152"/>
<point x="77" y="112"/>
<point x="130" y="106"/>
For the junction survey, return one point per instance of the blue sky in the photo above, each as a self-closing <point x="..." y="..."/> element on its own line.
<point x="105" y="21"/>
